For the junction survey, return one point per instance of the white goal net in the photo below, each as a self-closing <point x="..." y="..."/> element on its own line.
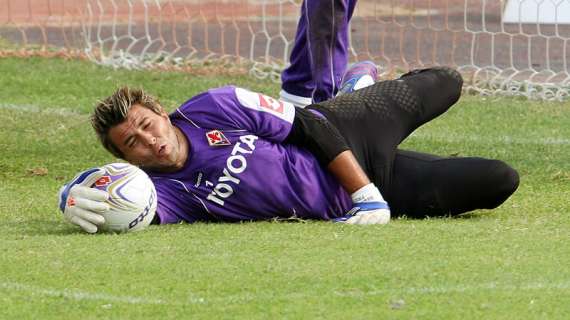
<point x="514" y="47"/>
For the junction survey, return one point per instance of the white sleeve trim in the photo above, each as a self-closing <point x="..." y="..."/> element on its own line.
<point x="262" y="103"/>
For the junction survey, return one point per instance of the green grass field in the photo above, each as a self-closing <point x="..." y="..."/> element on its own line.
<point x="508" y="263"/>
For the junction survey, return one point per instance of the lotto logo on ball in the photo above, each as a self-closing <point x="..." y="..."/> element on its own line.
<point x="145" y="212"/>
<point x="103" y="181"/>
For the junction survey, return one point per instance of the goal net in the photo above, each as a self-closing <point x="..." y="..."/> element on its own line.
<point x="512" y="47"/>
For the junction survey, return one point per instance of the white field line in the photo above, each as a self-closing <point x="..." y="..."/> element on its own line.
<point x="508" y="140"/>
<point x="77" y="295"/>
<point x="458" y="289"/>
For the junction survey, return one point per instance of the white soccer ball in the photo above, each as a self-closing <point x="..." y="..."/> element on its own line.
<point x="132" y="198"/>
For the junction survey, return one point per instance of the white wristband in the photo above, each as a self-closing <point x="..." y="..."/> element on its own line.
<point x="368" y="193"/>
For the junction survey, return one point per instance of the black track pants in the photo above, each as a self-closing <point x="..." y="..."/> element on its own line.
<point x="426" y="185"/>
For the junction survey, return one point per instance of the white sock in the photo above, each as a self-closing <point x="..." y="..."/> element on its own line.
<point x="297" y="101"/>
<point x="368" y="193"/>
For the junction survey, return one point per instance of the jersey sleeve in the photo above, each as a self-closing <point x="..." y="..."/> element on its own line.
<point x="233" y="108"/>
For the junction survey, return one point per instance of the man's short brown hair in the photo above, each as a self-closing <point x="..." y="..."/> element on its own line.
<point x="114" y="109"/>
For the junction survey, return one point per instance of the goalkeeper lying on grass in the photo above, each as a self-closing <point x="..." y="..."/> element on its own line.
<point x="234" y="155"/>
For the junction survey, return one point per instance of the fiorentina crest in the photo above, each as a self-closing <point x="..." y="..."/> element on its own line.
<point x="216" y="138"/>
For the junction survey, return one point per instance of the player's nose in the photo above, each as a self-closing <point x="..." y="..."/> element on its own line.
<point x="148" y="139"/>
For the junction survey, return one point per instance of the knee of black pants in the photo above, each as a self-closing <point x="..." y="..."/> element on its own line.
<point x="452" y="82"/>
<point x="503" y="182"/>
<point x="436" y="86"/>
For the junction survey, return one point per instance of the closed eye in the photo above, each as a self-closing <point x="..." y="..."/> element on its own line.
<point x="132" y="143"/>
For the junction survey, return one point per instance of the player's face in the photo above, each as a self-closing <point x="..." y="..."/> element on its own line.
<point x="150" y="140"/>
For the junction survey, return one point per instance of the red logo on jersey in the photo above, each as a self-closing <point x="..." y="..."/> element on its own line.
<point x="103" y="181"/>
<point x="216" y="138"/>
<point x="271" y="104"/>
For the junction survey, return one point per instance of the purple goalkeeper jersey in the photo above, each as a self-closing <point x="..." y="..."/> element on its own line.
<point x="237" y="167"/>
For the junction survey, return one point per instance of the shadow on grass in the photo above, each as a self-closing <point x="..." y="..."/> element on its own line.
<point x="473" y="215"/>
<point x="42" y="227"/>
<point x="468" y="215"/>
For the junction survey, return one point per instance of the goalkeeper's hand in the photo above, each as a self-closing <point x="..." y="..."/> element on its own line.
<point x="81" y="204"/>
<point x="367" y="213"/>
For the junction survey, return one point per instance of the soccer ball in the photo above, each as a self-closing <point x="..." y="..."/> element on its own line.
<point x="132" y="198"/>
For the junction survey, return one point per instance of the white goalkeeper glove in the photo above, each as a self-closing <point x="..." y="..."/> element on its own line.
<point x="367" y="213"/>
<point x="81" y="204"/>
<point x="369" y="207"/>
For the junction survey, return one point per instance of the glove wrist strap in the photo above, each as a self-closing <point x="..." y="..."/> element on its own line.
<point x="368" y="193"/>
